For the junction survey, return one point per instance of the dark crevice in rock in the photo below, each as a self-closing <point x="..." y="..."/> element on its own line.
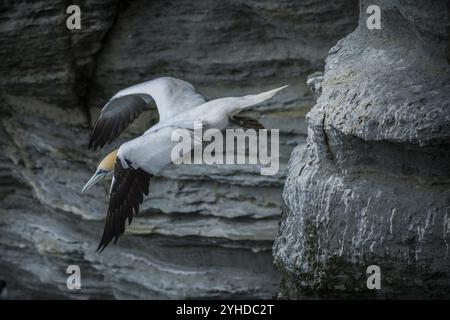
<point x="118" y="7"/>
<point x="325" y="138"/>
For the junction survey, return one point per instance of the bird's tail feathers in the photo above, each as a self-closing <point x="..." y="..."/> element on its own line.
<point x="251" y="100"/>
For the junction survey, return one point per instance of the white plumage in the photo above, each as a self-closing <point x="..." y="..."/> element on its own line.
<point x="137" y="160"/>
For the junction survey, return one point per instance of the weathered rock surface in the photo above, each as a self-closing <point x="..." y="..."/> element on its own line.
<point x="372" y="184"/>
<point x="203" y="231"/>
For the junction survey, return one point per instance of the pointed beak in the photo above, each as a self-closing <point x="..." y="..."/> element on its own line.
<point x="95" y="178"/>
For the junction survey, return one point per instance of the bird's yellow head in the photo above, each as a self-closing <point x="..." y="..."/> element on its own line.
<point x="105" y="168"/>
<point x="108" y="162"/>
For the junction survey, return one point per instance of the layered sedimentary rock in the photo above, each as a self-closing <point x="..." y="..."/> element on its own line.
<point x="203" y="231"/>
<point x="372" y="184"/>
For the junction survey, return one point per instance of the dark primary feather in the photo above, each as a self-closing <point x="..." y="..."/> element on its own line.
<point x="246" y="122"/>
<point x="116" y="116"/>
<point x="127" y="193"/>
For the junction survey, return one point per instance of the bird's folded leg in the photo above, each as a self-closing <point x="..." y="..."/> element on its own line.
<point x="246" y="122"/>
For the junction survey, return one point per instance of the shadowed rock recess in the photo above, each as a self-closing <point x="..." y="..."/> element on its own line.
<point x="203" y="231"/>
<point x="372" y="184"/>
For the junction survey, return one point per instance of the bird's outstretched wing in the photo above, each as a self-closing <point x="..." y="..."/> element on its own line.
<point x="127" y="192"/>
<point x="171" y="96"/>
<point x="115" y="116"/>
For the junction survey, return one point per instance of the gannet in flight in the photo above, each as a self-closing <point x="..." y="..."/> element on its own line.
<point x="137" y="160"/>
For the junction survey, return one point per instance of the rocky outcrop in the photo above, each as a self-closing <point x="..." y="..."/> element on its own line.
<point x="203" y="231"/>
<point x="372" y="184"/>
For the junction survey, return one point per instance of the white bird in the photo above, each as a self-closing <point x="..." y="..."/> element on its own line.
<point x="137" y="160"/>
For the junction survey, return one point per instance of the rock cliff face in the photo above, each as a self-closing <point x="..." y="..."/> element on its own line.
<point x="372" y="184"/>
<point x="203" y="231"/>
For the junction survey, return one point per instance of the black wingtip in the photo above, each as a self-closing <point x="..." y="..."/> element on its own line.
<point x="126" y="195"/>
<point x="115" y="117"/>
<point x="101" y="246"/>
